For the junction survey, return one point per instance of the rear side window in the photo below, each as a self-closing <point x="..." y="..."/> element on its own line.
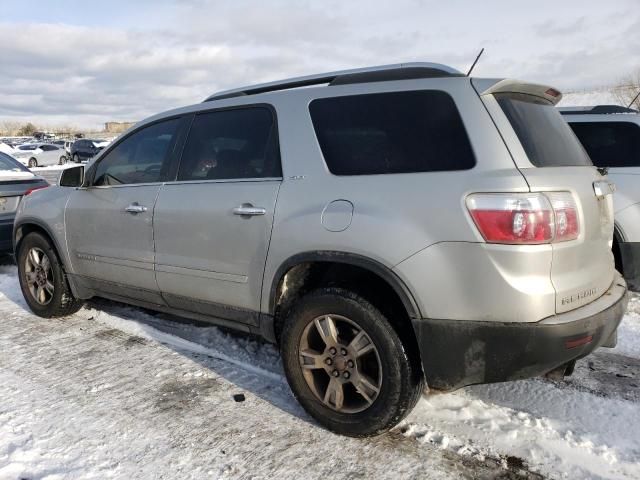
<point x="610" y="144"/>
<point x="398" y="132"/>
<point x="231" y="144"/>
<point x="546" y="138"/>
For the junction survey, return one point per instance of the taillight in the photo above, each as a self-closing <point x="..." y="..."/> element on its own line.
<point x="524" y="218"/>
<point x="33" y="189"/>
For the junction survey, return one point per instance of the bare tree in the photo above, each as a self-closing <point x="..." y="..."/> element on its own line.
<point x="627" y="89"/>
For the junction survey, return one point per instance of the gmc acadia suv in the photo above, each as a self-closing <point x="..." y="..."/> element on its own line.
<point x="387" y="227"/>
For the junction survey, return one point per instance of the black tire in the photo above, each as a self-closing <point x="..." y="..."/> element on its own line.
<point x="33" y="163"/>
<point x="402" y="382"/>
<point x="62" y="160"/>
<point x="62" y="301"/>
<point x="76" y="158"/>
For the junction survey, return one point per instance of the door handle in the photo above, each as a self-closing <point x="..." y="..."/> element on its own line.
<point x="136" y="208"/>
<point x="246" y="209"/>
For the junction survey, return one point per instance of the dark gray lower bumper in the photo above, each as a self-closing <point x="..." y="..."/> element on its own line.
<point x="458" y="353"/>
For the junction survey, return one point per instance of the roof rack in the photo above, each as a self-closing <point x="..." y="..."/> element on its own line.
<point x="598" y="109"/>
<point x="382" y="73"/>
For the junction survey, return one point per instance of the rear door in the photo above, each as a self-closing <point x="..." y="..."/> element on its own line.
<point x="212" y="226"/>
<point x="552" y="159"/>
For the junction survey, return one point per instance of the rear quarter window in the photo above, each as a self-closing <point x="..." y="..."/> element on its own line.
<point x="386" y="133"/>
<point x="545" y="137"/>
<point x="610" y="144"/>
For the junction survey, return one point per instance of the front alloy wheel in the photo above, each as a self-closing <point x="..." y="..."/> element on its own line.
<point x="39" y="276"/>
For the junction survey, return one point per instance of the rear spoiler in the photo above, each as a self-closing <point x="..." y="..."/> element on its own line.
<point x="516" y="86"/>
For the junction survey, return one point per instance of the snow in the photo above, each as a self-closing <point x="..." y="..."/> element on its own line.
<point x="117" y="392"/>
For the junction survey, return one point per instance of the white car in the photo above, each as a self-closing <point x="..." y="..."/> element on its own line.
<point x="40" y="154"/>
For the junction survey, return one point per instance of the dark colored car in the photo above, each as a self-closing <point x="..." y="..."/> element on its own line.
<point x="16" y="181"/>
<point x="85" y="148"/>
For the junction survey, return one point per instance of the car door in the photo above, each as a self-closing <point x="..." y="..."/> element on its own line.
<point x="212" y="226"/>
<point x="50" y="155"/>
<point x="109" y="223"/>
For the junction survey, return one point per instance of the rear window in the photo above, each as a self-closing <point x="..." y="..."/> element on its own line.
<point x="546" y="138"/>
<point x="399" y="132"/>
<point x="610" y="144"/>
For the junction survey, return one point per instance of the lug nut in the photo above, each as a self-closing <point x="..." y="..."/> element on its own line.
<point x="346" y="374"/>
<point x="335" y="373"/>
<point x="350" y="364"/>
<point x="343" y="351"/>
<point x="333" y="350"/>
<point x="328" y="361"/>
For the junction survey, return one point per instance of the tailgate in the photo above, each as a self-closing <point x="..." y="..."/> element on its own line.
<point x="551" y="159"/>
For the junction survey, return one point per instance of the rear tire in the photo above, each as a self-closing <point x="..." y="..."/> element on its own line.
<point x="62" y="160"/>
<point x="42" y="278"/>
<point x="33" y="163"/>
<point x="338" y="403"/>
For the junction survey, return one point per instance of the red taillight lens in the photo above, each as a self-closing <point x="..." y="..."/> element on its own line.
<point x="31" y="190"/>
<point x="528" y="218"/>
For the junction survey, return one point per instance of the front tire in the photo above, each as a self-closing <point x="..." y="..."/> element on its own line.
<point x="33" y="163"/>
<point x="347" y="365"/>
<point x="62" y="160"/>
<point x="76" y="158"/>
<point x="42" y="278"/>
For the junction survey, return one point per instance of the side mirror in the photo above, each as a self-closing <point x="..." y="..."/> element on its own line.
<point x="72" y="177"/>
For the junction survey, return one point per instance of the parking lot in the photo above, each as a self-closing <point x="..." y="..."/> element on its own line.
<point x="118" y="392"/>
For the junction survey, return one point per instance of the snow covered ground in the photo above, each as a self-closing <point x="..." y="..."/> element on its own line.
<point x="118" y="392"/>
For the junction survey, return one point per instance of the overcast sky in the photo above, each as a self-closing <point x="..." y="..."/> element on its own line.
<point x="84" y="62"/>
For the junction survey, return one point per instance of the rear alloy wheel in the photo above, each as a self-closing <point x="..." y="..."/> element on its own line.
<point x="33" y="162"/>
<point x="347" y="365"/>
<point x="42" y="279"/>
<point x="63" y="160"/>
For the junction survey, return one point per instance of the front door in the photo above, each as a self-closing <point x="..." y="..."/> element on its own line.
<point x="213" y="226"/>
<point x="109" y="223"/>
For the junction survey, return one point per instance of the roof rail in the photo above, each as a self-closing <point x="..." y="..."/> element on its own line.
<point x="382" y="73"/>
<point x="597" y="109"/>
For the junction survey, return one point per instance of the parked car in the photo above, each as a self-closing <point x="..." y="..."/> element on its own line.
<point x="611" y="136"/>
<point x="40" y="154"/>
<point x="16" y="181"/>
<point x="84" y="149"/>
<point x="387" y="227"/>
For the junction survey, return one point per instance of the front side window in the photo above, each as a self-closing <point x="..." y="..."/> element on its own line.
<point x="140" y="158"/>
<point x="610" y="144"/>
<point x="398" y="132"/>
<point x="231" y="144"/>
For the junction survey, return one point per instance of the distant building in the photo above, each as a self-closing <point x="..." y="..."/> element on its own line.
<point x="117" y="127"/>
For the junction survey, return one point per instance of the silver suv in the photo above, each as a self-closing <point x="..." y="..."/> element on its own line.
<point x="387" y="227"/>
<point x="611" y="136"/>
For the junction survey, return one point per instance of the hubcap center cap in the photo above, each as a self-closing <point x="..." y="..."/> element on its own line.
<point x="341" y="362"/>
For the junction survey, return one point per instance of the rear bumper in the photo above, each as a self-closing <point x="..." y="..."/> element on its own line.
<point x="458" y="353"/>
<point x="6" y="235"/>
<point x="630" y="257"/>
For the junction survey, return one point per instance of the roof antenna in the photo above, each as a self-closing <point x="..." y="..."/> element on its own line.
<point x="634" y="99"/>
<point x="474" y="62"/>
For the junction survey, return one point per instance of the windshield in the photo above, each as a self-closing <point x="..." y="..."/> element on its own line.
<point x="8" y="164"/>
<point x="546" y="138"/>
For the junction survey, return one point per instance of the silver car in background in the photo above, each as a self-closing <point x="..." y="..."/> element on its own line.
<point x="40" y="154"/>
<point x="387" y="227"/>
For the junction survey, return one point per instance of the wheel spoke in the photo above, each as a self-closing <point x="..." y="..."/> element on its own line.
<point x="49" y="287"/>
<point x="366" y="388"/>
<point x="41" y="296"/>
<point x="311" y="360"/>
<point x="45" y="263"/>
<point x="327" y="329"/>
<point x="31" y="277"/>
<point x="334" y="396"/>
<point x="361" y="344"/>
<point x="34" y="259"/>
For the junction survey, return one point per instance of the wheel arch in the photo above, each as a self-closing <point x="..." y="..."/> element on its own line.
<point x="26" y="226"/>
<point x="345" y="258"/>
